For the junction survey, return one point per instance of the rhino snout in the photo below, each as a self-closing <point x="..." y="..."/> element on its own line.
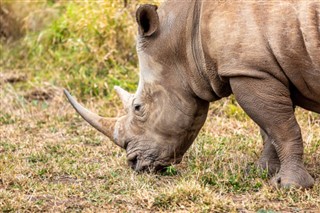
<point x="143" y="165"/>
<point x="149" y="164"/>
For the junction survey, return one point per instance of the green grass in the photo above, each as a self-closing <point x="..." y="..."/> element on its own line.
<point x="51" y="160"/>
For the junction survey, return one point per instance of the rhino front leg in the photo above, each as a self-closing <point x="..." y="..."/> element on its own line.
<point x="267" y="101"/>
<point x="269" y="159"/>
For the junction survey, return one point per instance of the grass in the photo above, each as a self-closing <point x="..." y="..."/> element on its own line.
<point x="51" y="160"/>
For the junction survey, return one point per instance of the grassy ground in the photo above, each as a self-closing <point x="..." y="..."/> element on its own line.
<point x="51" y="160"/>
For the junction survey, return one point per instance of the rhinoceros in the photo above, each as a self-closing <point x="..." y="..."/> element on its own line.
<point x="191" y="53"/>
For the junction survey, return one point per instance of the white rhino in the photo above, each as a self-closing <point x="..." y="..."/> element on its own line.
<point x="266" y="53"/>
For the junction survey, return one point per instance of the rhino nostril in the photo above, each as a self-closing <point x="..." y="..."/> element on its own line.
<point x="133" y="162"/>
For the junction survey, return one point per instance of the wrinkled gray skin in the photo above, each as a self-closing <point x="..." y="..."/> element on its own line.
<point x="191" y="53"/>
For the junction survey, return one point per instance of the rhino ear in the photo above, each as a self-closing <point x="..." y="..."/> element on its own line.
<point x="148" y="19"/>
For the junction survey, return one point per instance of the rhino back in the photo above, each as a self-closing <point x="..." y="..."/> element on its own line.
<point x="255" y="39"/>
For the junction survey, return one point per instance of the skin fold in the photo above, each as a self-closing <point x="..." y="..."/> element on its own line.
<point x="266" y="53"/>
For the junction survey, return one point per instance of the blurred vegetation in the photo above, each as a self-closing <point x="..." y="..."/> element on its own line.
<point x="87" y="46"/>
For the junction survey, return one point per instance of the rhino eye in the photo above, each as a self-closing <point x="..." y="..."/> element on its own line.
<point x="137" y="107"/>
<point x="139" y="111"/>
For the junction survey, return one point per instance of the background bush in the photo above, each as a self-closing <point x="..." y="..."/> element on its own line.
<point x="88" y="46"/>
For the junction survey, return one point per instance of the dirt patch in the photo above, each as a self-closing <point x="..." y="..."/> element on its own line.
<point x="13" y="77"/>
<point x="39" y="94"/>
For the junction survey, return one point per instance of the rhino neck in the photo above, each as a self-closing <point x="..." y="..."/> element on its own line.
<point x="206" y="83"/>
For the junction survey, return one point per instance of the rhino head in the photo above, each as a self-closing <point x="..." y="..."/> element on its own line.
<point x="164" y="116"/>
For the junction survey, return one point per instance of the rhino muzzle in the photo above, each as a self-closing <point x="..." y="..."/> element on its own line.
<point x="148" y="165"/>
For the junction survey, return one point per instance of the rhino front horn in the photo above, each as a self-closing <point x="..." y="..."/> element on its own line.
<point x="105" y="125"/>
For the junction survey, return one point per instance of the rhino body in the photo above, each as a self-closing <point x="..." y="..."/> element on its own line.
<point x="192" y="53"/>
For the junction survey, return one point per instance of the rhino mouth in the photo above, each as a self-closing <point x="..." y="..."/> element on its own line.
<point x="149" y="158"/>
<point x="148" y="165"/>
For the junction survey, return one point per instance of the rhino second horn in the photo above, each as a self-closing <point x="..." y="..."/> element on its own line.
<point x="125" y="97"/>
<point x="105" y="125"/>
